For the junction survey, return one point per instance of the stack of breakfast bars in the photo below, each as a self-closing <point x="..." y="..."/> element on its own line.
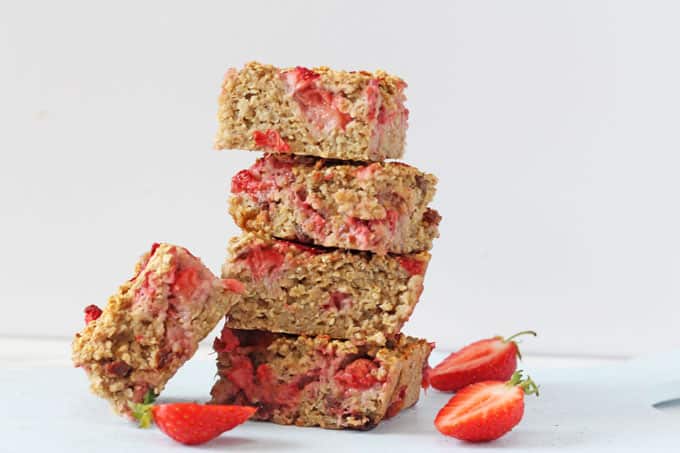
<point x="334" y="249"/>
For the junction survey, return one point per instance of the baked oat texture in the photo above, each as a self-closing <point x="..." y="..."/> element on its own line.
<point x="298" y="289"/>
<point x="152" y="325"/>
<point x="319" y="112"/>
<point x="379" y="207"/>
<point x="316" y="381"/>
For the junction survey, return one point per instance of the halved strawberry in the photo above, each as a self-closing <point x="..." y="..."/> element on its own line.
<point x="191" y="423"/>
<point x="491" y="359"/>
<point x="485" y="410"/>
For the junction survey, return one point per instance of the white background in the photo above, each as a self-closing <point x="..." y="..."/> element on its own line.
<point x="553" y="127"/>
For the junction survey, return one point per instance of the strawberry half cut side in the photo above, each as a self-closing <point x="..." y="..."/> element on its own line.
<point x="487" y="410"/>
<point x="490" y="359"/>
<point x="190" y="423"/>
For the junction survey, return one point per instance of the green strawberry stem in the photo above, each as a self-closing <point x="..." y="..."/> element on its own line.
<point x="142" y="411"/>
<point x="511" y="338"/>
<point x="524" y="332"/>
<point x="525" y="383"/>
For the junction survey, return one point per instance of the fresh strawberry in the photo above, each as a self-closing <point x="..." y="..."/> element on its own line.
<point x="191" y="423"/>
<point x="485" y="410"/>
<point x="92" y="312"/>
<point x="491" y="359"/>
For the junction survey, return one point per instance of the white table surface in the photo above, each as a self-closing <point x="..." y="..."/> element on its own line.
<point x="586" y="405"/>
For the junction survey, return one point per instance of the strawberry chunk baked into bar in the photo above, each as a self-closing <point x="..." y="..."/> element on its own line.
<point x="316" y="381"/>
<point x="379" y="207"/>
<point x="151" y="326"/>
<point x="298" y="289"/>
<point x="320" y="112"/>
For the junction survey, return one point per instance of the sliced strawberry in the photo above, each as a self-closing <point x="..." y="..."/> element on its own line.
<point x="270" y="140"/>
<point x="485" y="410"/>
<point x="193" y="424"/>
<point x="358" y="374"/>
<point x="92" y="312"/>
<point x="490" y="359"/>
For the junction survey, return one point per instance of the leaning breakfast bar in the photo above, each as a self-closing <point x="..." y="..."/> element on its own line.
<point x="379" y="207"/>
<point x="151" y="326"/>
<point x="356" y="115"/>
<point x="298" y="289"/>
<point x="317" y="381"/>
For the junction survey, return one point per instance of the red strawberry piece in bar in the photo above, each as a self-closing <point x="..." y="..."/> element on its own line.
<point x="92" y="313"/>
<point x="360" y="374"/>
<point x="270" y="140"/>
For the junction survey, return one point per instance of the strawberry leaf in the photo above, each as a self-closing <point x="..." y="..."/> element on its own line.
<point x="142" y="411"/>
<point x="525" y="383"/>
